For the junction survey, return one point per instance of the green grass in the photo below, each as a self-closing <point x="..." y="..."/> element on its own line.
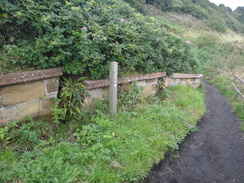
<point x="221" y="72"/>
<point x="221" y="57"/>
<point x="119" y="149"/>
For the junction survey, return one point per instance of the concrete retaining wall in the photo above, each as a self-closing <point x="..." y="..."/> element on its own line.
<point x="28" y="93"/>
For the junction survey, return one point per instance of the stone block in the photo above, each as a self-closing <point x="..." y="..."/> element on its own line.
<point x="21" y="93"/>
<point x="168" y="81"/>
<point x="124" y="86"/>
<point x="1" y="102"/>
<point x="52" y="85"/>
<point x="150" y="89"/>
<point x="176" y="82"/>
<point x="23" y="77"/>
<point x="106" y="92"/>
<point x="53" y="95"/>
<point x="190" y="83"/>
<point x="198" y="81"/>
<point x="46" y="103"/>
<point x="47" y="114"/>
<point x="194" y="86"/>
<point x="94" y="94"/>
<point x="152" y="81"/>
<point x="188" y="76"/>
<point x="28" y="109"/>
<point x="184" y="80"/>
<point x="172" y="82"/>
<point x="140" y="83"/>
<point x="8" y="114"/>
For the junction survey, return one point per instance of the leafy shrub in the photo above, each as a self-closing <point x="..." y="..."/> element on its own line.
<point x="26" y="135"/>
<point x="239" y="14"/>
<point x="187" y="7"/>
<point x="208" y="40"/>
<point x="84" y="36"/>
<point x="233" y="24"/>
<point x="165" y="5"/>
<point x="71" y="100"/>
<point x="217" y="24"/>
<point x="139" y="5"/>
<point x="130" y="98"/>
<point x="195" y="11"/>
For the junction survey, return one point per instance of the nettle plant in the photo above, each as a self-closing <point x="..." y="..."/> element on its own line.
<point x="83" y="36"/>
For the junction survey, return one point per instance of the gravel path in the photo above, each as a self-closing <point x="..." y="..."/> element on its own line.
<point x="214" y="154"/>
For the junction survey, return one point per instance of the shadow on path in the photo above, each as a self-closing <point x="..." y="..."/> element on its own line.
<point x="214" y="154"/>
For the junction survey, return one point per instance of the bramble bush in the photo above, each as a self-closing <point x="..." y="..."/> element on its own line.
<point x="83" y="36"/>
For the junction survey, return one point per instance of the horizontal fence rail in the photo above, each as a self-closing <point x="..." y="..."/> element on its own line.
<point x="238" y="89"/>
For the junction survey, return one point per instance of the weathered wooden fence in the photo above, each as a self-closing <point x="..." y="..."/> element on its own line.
<point x="238" y="84"/>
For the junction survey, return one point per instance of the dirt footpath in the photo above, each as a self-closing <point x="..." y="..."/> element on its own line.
<point x="214" y="154"/>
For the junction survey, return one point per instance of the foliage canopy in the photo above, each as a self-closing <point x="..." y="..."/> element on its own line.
<point x="83" y="36"/>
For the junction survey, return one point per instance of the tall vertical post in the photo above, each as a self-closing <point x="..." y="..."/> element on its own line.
<point x="236" y="96"/>
<point x="113" y="80"/>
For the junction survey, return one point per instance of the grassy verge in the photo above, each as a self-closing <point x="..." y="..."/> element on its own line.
<point x="219" y="55"/>
<point x="122" y="149"/>
<point x="222" y="58"/>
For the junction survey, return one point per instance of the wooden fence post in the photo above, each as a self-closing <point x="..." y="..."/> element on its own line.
<point x="113" y="80"/>
<point x="238" y="90"/>
<point x="236" y="96"/>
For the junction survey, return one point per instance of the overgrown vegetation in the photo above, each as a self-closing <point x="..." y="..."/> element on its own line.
<point x="84" y="36"/>
<point x="220" y="55"/>
<point x="70" y="100"/>
<point x="83" y="144"/>
<point x="221" y="61"/>
<point x="121" y="149"/>
<point x="219" y="18"/>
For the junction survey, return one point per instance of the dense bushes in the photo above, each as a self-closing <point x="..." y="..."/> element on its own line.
<point x="181" y="6"/>
<point x="217" y="24"/>
<point x="239" y="14"/>
<point x="139" y="5"/>
<point x="218" y="18"/>
<point x="83" y="36"/>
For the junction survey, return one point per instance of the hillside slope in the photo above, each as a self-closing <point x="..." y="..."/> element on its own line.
<point x="220" y="55"/>
<point x="219" y="18"/>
